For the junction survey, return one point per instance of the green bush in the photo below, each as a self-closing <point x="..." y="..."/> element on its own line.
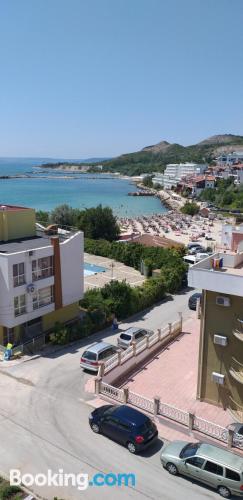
<point x="9" y="491"/>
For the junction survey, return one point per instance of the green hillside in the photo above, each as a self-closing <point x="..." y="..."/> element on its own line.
<point x="154" y="158"/>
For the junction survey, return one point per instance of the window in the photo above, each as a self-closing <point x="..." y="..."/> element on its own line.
<point x="19" y="305"/>
<point x="43" y="297"/>
<point x="18" y="274"/>
<point x="42" y="268"/>
<point x="213" y="468"/>
<point x="231" y="474"/>
<point x="196" y="461"/>
<point x="189" y="450"/>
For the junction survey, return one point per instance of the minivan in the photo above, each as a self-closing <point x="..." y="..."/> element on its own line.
<point x="208" y="464"/>
<point x="95" y="354"/>
<point x="125" y="425"/>
<point x="133" y="334"/>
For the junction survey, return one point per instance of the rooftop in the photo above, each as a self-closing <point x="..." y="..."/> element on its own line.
<point x="12" y="208"/>
<point x="23" y="244"/>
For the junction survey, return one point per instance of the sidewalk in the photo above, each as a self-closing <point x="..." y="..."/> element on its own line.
<point x="172" y="375"/>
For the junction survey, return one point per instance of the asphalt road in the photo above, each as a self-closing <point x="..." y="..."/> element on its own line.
<point x="44" y="425"/>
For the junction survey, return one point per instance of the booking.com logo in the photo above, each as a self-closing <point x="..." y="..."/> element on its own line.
<point x="80" y="481"/>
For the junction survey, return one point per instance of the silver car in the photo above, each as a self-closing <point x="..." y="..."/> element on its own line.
<point x="133" y="334"/>
<point x="211" y="465"/>
<point x="95" y="354"/>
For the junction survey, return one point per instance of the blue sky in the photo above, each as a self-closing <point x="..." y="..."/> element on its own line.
<point x="85" y="78"/>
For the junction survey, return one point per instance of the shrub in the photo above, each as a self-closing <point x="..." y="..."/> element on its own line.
<point x="9" y="491"/>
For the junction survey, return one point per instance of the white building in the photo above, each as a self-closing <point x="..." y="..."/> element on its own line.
<point x="41" y="276"/>
<point x="230" y="158"/>
<point x="174" y="172"/>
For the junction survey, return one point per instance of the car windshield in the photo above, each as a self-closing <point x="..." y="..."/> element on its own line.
<point x="189" y="450"/>
<point x="110" y="410"/>
<point x="124" y="336"/>
<point x="89" y="355"/>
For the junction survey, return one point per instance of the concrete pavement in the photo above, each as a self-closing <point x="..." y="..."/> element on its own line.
<point x="44" y="425"/>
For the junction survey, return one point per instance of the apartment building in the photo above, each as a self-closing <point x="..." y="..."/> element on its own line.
<point x="230" y="159"/>
<point x="220" y="366"/>
<point x="41" y="275"/>
<point x="174" y="172"/>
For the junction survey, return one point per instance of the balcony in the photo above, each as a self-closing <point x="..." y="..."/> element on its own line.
<point x="227" y="279"/>
<point x="236" y="370"/>
<point x="238" y="331"/>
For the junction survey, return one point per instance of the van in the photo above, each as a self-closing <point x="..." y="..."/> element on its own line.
<point x="206" y="463"/>
<point x="131" y="335"/>
<point x="95" y="354"/>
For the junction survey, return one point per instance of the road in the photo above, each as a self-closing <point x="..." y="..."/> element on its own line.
<point x="44" y="425"/>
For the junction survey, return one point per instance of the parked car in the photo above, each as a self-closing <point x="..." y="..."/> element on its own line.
<point x="192" y="302"/>
<point x="123" y="424"/>
<point x="197" y="249"/>
<point x="193" y="244"/>
<point x="208" y="464"/>
<point x="133" y="334"/>
<point x="237" y="427"/>
<point x="208" y="237"/>
<point x="95" y="354"/>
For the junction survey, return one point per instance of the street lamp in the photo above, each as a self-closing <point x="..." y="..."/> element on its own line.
<point x="112" y="265"/>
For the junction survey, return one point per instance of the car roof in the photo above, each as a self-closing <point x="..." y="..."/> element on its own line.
<point x="131" y="415"/>
<point x="221" y="456"/>
<point x="131" y="330"/>
<point x="98" y="346"/>
<point x="196" y="294"/>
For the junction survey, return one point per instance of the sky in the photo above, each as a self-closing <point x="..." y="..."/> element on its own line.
<point x="97" y="78"/>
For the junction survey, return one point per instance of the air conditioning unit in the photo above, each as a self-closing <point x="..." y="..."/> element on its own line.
<point x="223" y="301"/>
<point x="218" y="378"/>
<point x="220" y="340"/>
<point x="30" y="288"/>
<point x="31" y="252"/>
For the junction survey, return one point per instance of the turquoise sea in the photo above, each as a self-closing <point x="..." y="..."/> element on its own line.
<point x="47" y="189"/>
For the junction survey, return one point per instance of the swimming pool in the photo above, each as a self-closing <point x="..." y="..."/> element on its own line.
<point x="90" y="269"/>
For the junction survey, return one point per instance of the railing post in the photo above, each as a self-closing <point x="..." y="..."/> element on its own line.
<point x="180" y="319"/>
<point x="125" y="394"/>
<point x="198" y="307"/>
<point x="156" y="405"/>
<point x="147" y="342"/>
<point x="134" y="348"/>
<point x="230" y="438"/>
<point x="97" y="384"/>
<point x="119" y="358"/>
<point x="101" y="372"/>
<point x="170" y="328"/>
<point x="191" y="421"/>
<point x="159" y="334"/>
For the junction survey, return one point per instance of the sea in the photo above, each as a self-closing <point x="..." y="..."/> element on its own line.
<point x="44" y="189"/>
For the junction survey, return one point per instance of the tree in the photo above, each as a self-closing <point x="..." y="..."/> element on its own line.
<point x="98" y="223"/>
<point x="147" y="181"/>
<point x="63" y="215"/>
<point x="190" y="208"/>
<point x="42" y="216"/>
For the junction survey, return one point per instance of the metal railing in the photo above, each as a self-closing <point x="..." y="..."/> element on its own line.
<point x="210" y="429"/>
<point x="140" y="402"/>
<point x="146" y="343"/>
<point x="111" y="392"/>
<point x="174" y="413"/>
<point x="156" y="407"/>
<point x="236" y="370"/>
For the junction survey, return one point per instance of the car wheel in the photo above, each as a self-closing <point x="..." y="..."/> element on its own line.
<point x="95" y="428"/>
<point x="131" y="447"/>
<point x="224" y="492"/>
<point x="171" y="468"/>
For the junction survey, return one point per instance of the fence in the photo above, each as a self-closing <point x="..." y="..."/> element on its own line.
<point x="149" y="341"/>
<point x="157" y="408"/>
<point x="29" y="347"/>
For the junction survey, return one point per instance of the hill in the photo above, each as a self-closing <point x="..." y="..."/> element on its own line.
<point x="155" y="158"/>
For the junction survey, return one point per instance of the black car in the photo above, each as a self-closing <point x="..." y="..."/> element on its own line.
<point x="192" y="302"/>
<point x="123" y="424"/>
